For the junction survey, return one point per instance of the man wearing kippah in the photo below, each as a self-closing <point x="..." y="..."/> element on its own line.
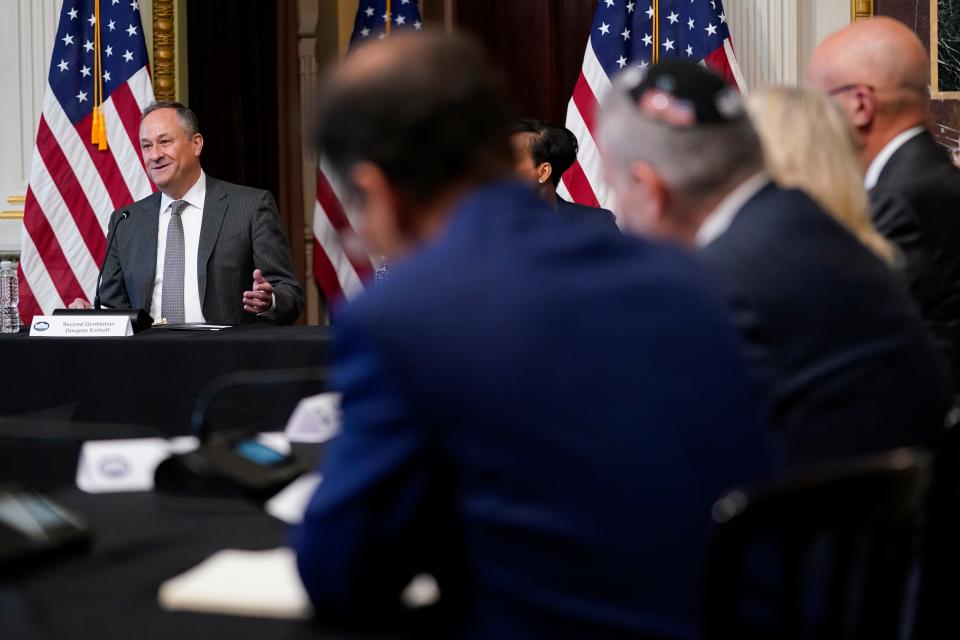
<point x="832" y="337"/>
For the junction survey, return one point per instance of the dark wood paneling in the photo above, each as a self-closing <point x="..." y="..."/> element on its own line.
<point x="232" y="49"/>
<point x="538" y="44"/>
<point x="289" y="140"/>
<point x="244" y="88"/>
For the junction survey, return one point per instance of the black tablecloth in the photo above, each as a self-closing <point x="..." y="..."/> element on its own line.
<point x="109" y="592"/>
<point x="154" y="378"/>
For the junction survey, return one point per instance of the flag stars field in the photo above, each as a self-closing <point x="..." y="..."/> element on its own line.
<point x="680" y="31"/>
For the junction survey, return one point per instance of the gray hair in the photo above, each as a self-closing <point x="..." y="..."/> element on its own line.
<point x="696" y="162"/>
<point x="188" y="119"/>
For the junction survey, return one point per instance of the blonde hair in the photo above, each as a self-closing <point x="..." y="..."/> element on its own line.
<point x="809" y="144"/>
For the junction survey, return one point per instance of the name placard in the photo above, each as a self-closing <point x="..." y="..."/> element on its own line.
<point x="316" y="419"/>
<point x="92" y="326"/>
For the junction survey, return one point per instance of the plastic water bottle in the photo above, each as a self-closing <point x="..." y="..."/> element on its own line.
<point x="9" y="298"/>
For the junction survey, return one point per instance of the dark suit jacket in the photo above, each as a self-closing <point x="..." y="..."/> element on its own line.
<point x="831" y="333"/>
<point x="916" y="204"/>
<point x="240" y="232"/>
<point x="583" y="212"/>
<point x="542" y="414"/>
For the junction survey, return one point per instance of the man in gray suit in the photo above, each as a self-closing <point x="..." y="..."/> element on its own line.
<point x="189" y="252"/>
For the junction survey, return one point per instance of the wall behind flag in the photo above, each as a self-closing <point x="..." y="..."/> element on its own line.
<point x="773" y="39"/>
<point x="27" y="30"/>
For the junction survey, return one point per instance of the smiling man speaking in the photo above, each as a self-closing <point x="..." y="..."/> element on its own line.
<point x="199" y="249"/>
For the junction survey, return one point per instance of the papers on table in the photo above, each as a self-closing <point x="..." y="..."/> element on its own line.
<point x="262" y="584"/>
<point x="290" y="504"/>
<point x="259" y="584"/>
<point x="195" y="326"/>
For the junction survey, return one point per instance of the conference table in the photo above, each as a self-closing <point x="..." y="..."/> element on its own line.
<point x="155" y="378"/>
<point x="109" y="591"/>
<point x="59" y="393"/>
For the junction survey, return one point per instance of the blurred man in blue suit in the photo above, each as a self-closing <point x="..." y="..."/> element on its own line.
<point x="540" y="413"/>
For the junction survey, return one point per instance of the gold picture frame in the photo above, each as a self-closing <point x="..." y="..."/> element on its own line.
<point x="935" y="91"/>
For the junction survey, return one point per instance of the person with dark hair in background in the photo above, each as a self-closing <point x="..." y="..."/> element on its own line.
<point x="538" y="413"/>
<point x="543" y="153"/>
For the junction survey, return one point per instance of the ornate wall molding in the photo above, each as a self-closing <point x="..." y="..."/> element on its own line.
<point x="861" y="9"/>
<point x="28" y="29"/>
<point x="308" y="20"/>
<point x="164" y="50"/>
<point x="765" y="37"/>
<point x="774" y="38"/>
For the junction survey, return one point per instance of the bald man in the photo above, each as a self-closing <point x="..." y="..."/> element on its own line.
<point x="877" y="70"/>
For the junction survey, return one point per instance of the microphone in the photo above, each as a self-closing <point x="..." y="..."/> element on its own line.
<point x="124" y="214"/>
<point x="230" y="463"/>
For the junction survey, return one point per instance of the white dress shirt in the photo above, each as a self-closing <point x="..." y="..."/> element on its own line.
<point x="876" y="167"/>
<point x="719" y="220"/>
<point x="192" y="217"/>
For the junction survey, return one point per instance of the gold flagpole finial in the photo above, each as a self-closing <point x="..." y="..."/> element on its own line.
<point x="95" y="125"/>
<point x="656" y="31"/>
<point x="98" y="127"/>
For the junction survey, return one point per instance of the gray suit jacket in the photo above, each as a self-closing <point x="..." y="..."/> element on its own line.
<point x="240" y="232"/>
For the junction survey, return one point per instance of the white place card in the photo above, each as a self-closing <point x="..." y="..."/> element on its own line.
<point x="290" y="504"/>
<point x="118" y="466"/>
<point x="316" y="419"/>
<point x="80" y="326"/>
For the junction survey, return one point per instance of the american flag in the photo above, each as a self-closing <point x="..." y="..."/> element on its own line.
<point x="340" y="264"/>
<point x="76" y="179"/>
<point x="638" y="33"/>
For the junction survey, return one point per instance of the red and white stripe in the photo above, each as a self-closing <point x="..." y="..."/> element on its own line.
<point x="73" y="189"/>
<point x="583" y="182"/>
<point x="340" y="264"/>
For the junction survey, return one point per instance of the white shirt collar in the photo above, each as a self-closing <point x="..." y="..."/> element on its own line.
<point x="194" y="196"/>
<point x="719" y="220"/>
<point x="876" y="167"/>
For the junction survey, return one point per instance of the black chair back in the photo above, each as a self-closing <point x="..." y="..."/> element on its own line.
<point x="255" y="400"/>
<point x="938" y="616"/>
<point x="823" y="553"/>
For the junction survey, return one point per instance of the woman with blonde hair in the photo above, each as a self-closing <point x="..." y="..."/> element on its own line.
<point x="809" y="145"/>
